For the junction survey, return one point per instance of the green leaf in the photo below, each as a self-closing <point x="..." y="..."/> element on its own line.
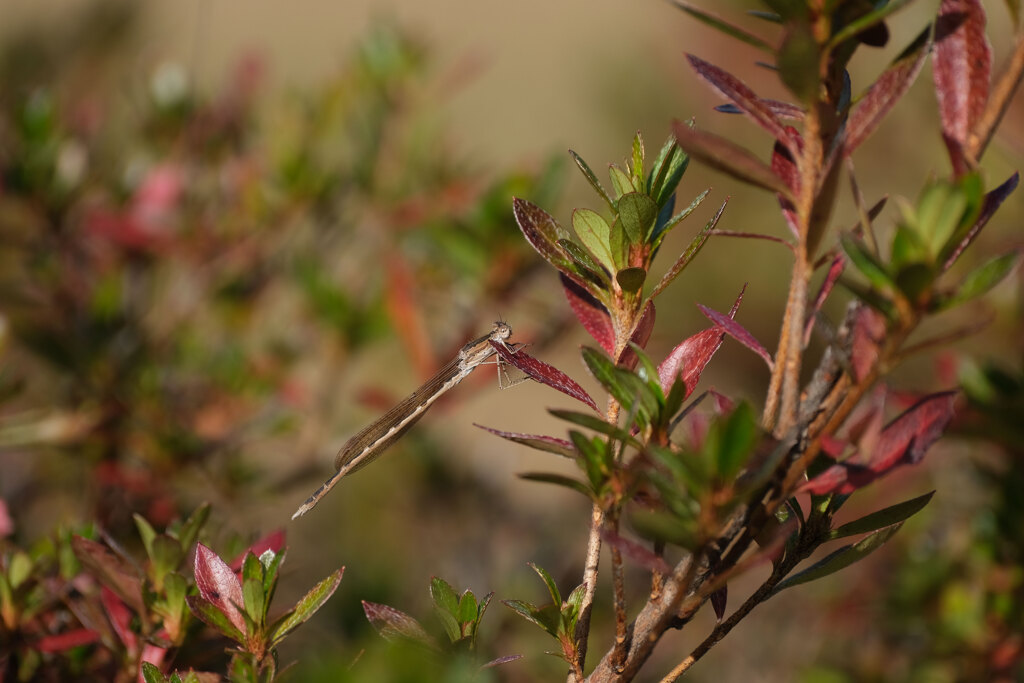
<point x="620" y="181"/>
<point x="739" y="436"/>
<point x="631" y="280"/>
<point x="595" y="456"/>
<point x="691" y="252"/>
<point x="667" y="172"/>
<point x="618" y="244"/>
<point x="556" y="597"/>
<point x="252" y="568"/>
<point x="446" y="605"/>
<point x="866" y="262"/>
<point x="19" y="568"/>
<point x="798" y="60"/>
<point x="209" y="613"/>
<point x="152" y="674"/>
<point x="594" y="232"/>
<point x="883" y="518"/>
<point x="840" y="559"/>
<point x="595" y="423"/>
<point x="559" y="480"/>
<point x="270" y="570"/>
<point x="167" y="555"/>
<point x="468" y="608"/>
<point x="984" y="278"/>
<point x="548" y="617"/>
<point x="666" y="528"/>
<point x="190" y="529"/>
<point x="254" y="600"/>
<point x="867" y="21"/>
<point x="592" y="178"/>
<point x="306" y="607"/>
<point x="583" y="264"/>
<point x="723" y="26"/>
<point x="146" y="532"/>
<point x="638" y="160"/>
<point x="637" y="212"/>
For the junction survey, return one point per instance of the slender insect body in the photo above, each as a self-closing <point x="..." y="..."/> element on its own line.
<point x="370" y="442"/>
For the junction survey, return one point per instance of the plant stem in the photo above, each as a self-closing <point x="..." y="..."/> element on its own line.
<point x="590" y="580"/>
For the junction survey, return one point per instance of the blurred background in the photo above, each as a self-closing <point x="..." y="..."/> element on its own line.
<point x="230" y="237"/>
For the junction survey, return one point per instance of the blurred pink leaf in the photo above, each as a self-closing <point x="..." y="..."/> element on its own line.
<point x="640" y="554"/>
<point x="111" y="570"/>
<point x="885" y="92"/>
<point x="737" y="332"/>
<point x="726" y="156"/>
<point x="961" y="66"/>
<point x="743" y="97"/>
<point x="394" y="624"/>
<point x="591" y="313"/>
<point x="500" y="660"/>
<point x="6" y="521"/>
<point x="153" y="654"/>
<point x="544" y="373"/>
<point x="272" y="541"/>
<point x="218" y="585"/>
<point x="120" y="618"/>
<point x="868" y="334"/>
<point x="65" y="641"/>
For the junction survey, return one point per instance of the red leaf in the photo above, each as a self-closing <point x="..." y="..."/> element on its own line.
<point x="65" y="641"/>
<point x="111" y="570"/>
<point x="544" y="373"/>
<point x="155" y="655"/>
<point x="868" y="335"/>
<point x="737" y="332"/>
<point x="743" y="97"/>
<point x="962" y="66"/>
<point x="641" y="334"/>
<point x="903" y="442"/>
<point x="728" y="157"/>
<point x="909" y="436"/>
<point x="272" y="541"/>
<point x="542" y="231"/>
<point x="591" y="314"/>
<point x="688" y="359"/>
<point x="120" y="618"/>
<point x="218" y="584"/>
<point x="885" y="92"/>
<point x="784" y="166"/>
<point x="550" y="444"/>
<point x="993" y="200"/>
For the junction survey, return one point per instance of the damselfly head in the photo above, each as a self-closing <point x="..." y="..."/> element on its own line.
<point x="501" y="330"/>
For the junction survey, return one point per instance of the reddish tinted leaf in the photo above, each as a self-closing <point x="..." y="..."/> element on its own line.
<point x="66" y="641"/>
<point x="962" y="66"/>
<point x="544" y="373"/>
<point x="868" y="334"/>
<point x="784" y="166"/>
<point x="542" y="443"/>
<point x="640" y="554"/>
<point x="393" y="624"/>
<point x="908" y="437"/>
<point x="591" y="313"/>
<point x="272" y="541"/>
<point x="500" y="660"/>
<point x="728" y="157"/>
<point x="743" y="97"/>
<point x="689" y="358"/>
<point x="542" y="232"/>
<point x="885" y="92"/>
<point x="120" y="618"/>
<point x="903" y="442"/>
<point x="834" y="271"/>
<point x="218" y="585"/>
<point x="112" y="571"/>
<point x="992" y="202"/>
<point x="737" y="332"/>
<point x="641" y="334"/>
<point x="782" y="110"/>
